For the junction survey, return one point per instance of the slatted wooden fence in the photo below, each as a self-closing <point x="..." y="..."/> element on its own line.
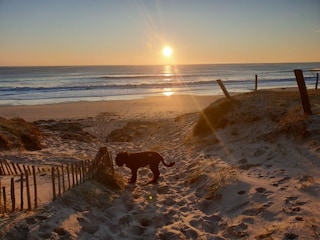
<point x="24" y="196"/>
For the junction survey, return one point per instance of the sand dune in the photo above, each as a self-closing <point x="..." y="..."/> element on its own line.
<point x="252" y="174"/>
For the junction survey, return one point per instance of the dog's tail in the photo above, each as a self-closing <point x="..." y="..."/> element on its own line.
<point x="167" y="165"/>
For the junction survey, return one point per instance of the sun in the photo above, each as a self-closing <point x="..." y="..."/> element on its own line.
<point x="167" y="51"/>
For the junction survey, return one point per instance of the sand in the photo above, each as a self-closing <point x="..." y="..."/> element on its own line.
<point x="176" y="104"/>
<point x="254" y="176"/>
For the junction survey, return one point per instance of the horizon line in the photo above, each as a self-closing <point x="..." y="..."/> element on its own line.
<point x="185" y="64"/>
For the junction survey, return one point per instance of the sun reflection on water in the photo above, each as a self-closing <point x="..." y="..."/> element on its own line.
<point x="167" y="92"/>
<point x="169" y="76"/>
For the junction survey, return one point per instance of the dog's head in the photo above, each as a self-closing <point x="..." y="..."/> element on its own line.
<point x="121" y="158"/>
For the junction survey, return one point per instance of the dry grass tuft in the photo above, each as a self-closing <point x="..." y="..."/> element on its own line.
<point x="111" y="180"/>
<point x="17" y="133"/>
<point x="214" y="116"/>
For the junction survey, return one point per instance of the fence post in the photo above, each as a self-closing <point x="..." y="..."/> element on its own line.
<point x="2" y="172"/>
<point x="35" y="187"/>
<point x="4" y="200"/>
<point x="68" y="174"/>
<point x="72" y="172"/>
<point x="21" y="191"/>
<point x="76" y="173"/>
<point x="83" y="171"/>
<point x="20" y="170"/>
<point x="256" y="83"/>
<point x="13" y="197"/>
<point x="59" y="182"/>
<point x="63" y="182"/>
<point x="14" y="168"/>
<point x="223" y="89"/>
<point x="28" y="190"/>
<point x="53" y="184"/>
<point x="9" y="167"/>
<point x="303" y="91"/>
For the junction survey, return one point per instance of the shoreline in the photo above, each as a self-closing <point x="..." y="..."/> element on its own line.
<point x="177" y="104"/>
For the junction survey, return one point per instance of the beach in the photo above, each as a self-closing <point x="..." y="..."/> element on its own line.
<point x="246" y="168"/>
<point x="176" y="104"/>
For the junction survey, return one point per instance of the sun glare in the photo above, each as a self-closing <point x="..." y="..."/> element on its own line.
<point x="167" y="51"/>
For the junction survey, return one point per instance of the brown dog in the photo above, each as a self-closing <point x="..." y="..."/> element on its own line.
<point x="141" y="159"/>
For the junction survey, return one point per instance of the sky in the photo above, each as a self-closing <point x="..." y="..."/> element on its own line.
<point x="134" y="32"/>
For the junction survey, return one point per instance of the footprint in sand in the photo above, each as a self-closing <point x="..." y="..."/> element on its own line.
<point x="293" y="206"/>
<point x="281" y="181"/>
<point x="261" y="195"/>
<point x="236" y="231"/>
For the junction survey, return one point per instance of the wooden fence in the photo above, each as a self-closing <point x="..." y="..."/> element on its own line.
<point x="24" y="196"/>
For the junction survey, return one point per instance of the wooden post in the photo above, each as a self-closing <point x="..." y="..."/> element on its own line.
<point x="59" y="182"/>
<point x="24" y="168"/>
<point x="83" y="171"/>
<point x="72" y="172"/>
<point x="2" y="172"/>
<point x="68" y="175"/>
<point x="35" y="187"/>
<point x="14" y="168"/>
<point x="303" y="91"/>
<point x="87" y="169"/>
<point x="29" y="170"/>
<point x="317" y="80"/>
<point x="28" y="190"/>
<point x="256" y="83"/>
<point x="76" y="173"/>
<point x="79" y="173"/>
<point x="4" y="200"/>
<point x="18" y="166"/>
<point x="13" y="197"/>
<point x="21" y="192"/>
<point x="6" y="165"/>
<point x="10" y="170"/>
<point x="63" y="182"/>
<point x="223" y="89"/>
<point x="53" y="184"/>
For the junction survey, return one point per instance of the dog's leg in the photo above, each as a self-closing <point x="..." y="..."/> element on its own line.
<point x="156" y="173"/>
<point x="133" y="178"/>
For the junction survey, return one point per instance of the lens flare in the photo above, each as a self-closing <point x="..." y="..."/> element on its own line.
<point x="167" y="51"/>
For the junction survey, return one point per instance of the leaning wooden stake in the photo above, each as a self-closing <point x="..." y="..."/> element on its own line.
<point x="303" y="92"/>
<point x="223" y="88"/>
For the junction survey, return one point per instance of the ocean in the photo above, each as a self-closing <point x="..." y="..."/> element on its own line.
<point x="46" y="85"/>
